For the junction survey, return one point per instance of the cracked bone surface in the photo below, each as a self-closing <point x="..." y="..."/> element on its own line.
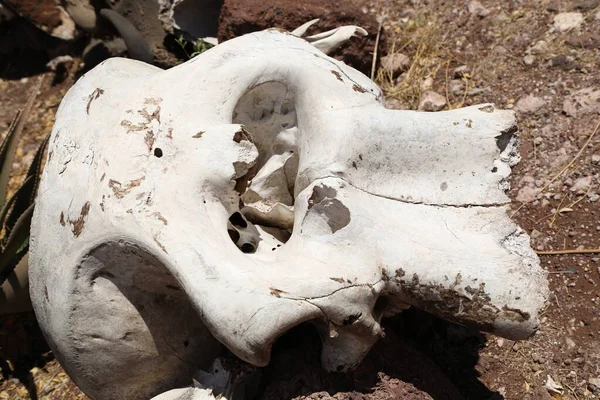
<point x="258" y="186"/>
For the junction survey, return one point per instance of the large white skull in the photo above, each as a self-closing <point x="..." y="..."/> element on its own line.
<point x="135" y="277"/>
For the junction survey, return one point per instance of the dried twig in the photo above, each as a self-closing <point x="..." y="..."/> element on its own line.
<point x="567" y="251"/>
<point x="381" y="19"/>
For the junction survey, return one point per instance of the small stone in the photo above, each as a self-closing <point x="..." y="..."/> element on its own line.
<point x="596" y="158"/>
<point x="566" y="21"/>
<point x="460" y="72"/>
<point x="478" y="9"/>
<point x="432" y="101"/>
<point x="587" y="5"/>
<point x="529" y="104"/>
<point x="394" y="104"/>
<point x="427" y="84"/>
<point x="594" y="383"/>
<point x="529" y="59"/>
<point x="582" y="184"/>
<point x="586" y="41"/>
<point x="597" y="16"/>
<point x="500" y="342"/>
<point x="477" y="91"/>
<point x="584" y="101"/>
<point x="457" y="87"/>
<point x="395" y="64"/>
<point x="563" y="62"/>
<point x="570" y="344"/>
<point x="541" y="46"/>
<point x="526" y="194"/>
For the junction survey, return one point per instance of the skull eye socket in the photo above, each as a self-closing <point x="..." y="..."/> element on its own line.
<point x="268" y="114"/>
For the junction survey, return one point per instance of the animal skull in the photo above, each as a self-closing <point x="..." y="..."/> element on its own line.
<point x="164" y="222"/>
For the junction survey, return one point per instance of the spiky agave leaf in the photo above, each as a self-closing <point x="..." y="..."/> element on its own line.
<point x="9" y="145"/>
<point x="16" y="244"/>
<point x="25" y="195"/>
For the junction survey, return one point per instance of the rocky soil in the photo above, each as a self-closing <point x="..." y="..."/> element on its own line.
<point x="538" y="57"/>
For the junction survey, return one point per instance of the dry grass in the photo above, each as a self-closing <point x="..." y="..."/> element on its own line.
<point x="421" y="38"/>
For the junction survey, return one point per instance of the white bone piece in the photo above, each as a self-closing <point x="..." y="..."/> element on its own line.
<point x="137" y="282"/>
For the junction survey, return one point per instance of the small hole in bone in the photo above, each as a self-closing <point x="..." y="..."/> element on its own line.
<point x="234" y="235"/>
<point x="248" y="248"/>
<point x="158" y="152"/>
<point x="237" y="220"/>
<point x="494" y="170"/>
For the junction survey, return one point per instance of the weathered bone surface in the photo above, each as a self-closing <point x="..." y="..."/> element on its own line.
<point x="162" y="228"/>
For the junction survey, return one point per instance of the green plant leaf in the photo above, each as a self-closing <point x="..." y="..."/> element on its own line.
<point x="25" y="195"/>
<point x="27" y="184"/>
<point x="16" y="245"/>
<point x="9" y="145"/>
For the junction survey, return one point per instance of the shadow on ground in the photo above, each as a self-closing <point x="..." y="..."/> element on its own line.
<point x="421" y="357"/>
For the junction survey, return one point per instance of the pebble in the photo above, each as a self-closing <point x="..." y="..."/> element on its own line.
<point x="478" y="9"/>
<point x="427" y="84"/>
<point x="586" y="41"/>
<point x="529" y="104"/>
<point x="570" y="344"/>
<point x="456" y="86"/>
<point x="432" y="101"/>
<point x="563" y="62"/>
<point x="529" y="60"/>
<point x="582" y="184"/>
<point x="395" y="64"/>
<point x="541" y="46"/>
<point x="527" y="194"/>
<point x="584" y="101"/>
<point x="460" y="72"/>
<point x="568" y="20"/>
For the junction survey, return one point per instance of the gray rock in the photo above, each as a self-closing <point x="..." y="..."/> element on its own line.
<point x="529" y="104"/>
<point x="563" y="62"/>
<point x="457" y="87"/>
<point x="478" y="9"/>
<point x="586" y="41"/>
<point x="395" y="104"/>
<point x="460" y="72"/>
<point x="395" y="64"/>
<point x="427" y="84"/>
<point x="541" y="46"/>
<point x="584" y="101"/>
<point x="432" y="101"/>
<point x="567" y="21"/>
<point x="594" y="382"/>
<point x="527" y="194"/>
<point x="529" y="59"/>
<point x="582" y="184"/>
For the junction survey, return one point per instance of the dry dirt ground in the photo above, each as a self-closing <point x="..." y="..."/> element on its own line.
<point x="516" y="56"/>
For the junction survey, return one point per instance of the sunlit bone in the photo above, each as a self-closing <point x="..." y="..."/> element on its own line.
<point x="136" y="280"/>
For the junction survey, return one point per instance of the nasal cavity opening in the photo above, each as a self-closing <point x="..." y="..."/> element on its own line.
<point x="265" y="218"/>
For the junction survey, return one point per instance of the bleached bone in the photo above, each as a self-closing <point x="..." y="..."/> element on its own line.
<point x="134" y="277"/>
<point x="330" y="40"/>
